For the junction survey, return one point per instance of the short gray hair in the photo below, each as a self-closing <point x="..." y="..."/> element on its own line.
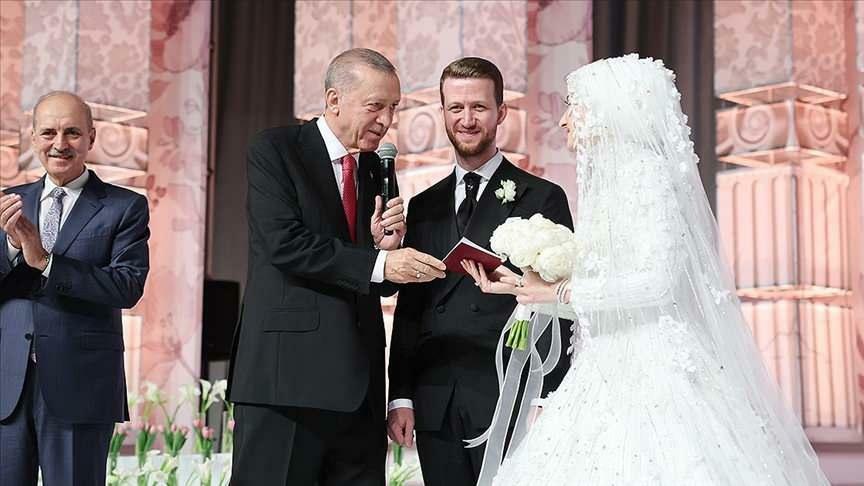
<point x="341" y="71"/>
<point x="88" y="113"/>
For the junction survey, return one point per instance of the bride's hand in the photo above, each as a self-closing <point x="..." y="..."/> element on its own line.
<point x="534" y="290"/>
<point x="501" y="281"/>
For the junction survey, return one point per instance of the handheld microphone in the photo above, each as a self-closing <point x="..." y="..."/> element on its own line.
<point x="387" y="153"/>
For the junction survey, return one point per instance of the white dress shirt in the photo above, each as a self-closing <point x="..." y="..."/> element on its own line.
<point x="335" y="150"/>
<point x="73" y="191"/>
<point x="485" y="171"/>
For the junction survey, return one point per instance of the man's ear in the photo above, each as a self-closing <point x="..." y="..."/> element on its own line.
<point x="502" y="113"/>
<point x="331" y="100"/>
<point x="92" y="138"/>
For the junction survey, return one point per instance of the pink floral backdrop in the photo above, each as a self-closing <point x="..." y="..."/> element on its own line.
<point x="144" y="67"/>
<point x="791" y="222"/>
<point x="559" y="41"/>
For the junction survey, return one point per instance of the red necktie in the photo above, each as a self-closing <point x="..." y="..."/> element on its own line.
<point x="349" y="194"/>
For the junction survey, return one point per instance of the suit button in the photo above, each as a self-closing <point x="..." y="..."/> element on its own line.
<point x="473" y="308"/>
<point x="440" y="309"/>
<point x="28" y="336"/>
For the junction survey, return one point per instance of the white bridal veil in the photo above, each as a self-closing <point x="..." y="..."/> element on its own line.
<point x="649" y="256"/>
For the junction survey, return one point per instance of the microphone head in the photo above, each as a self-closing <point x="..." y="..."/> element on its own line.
<point x="387" y="151"/>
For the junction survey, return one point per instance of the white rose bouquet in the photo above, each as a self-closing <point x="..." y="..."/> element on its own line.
<point x="541" y="246"/>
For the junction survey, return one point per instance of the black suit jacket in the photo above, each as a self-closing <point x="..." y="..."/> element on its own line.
<point x="311" y="333"/>
<point x="73" y="318"/>
<point x="446" y="331"/>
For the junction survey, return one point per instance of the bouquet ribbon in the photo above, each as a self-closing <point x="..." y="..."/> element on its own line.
<point x="516" y="395"/>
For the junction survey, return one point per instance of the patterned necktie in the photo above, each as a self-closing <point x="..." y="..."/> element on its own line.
<point x="51" y="226"/>
<point x="463" y="215"/>
<point x="349" y="194"/>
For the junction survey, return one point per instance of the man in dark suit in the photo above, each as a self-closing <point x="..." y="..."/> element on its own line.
<point x="442" y="372"/>
<point x="76" y="254"/>
<point x="307" y="369"/>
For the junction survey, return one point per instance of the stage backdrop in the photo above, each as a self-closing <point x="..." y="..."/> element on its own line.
<point x="789" y="74"/>
<point x="144" y="67"/>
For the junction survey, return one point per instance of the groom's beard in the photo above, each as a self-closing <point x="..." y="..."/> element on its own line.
<point x="470" y="150"/>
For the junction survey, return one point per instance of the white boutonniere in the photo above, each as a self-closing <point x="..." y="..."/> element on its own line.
<point x="507" y="192"/>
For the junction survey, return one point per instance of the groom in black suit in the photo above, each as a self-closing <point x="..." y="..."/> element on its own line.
<point x="442" y="373"/>
<point x="307" y="368"/>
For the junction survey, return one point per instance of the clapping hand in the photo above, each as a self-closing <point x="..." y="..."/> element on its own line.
<point x="20" y="231"/>
<point x="11" y="211"/>
<point x="393" y="220"/>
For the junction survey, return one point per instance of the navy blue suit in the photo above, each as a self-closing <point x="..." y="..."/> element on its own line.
<point x="62" y="408"/>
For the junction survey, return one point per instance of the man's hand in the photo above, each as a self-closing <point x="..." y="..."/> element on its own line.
<point x="11" y="210"/>
<point x="400" y="426"/>
<point x="393" y="219"/>
<point x="408" y="265"/>
<point x="31" y="244"/>
<point x="21" y="232"/>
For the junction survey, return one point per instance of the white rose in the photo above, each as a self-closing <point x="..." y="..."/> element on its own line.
<point x="507" y="192"/>
<point x="556" y="262"/>
<point x="508" y="235"/>
<point x="522" y="241"/>
<point x="523" y="255"/>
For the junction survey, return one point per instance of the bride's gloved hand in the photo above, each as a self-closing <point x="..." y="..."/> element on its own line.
<point x="501" y="281"/>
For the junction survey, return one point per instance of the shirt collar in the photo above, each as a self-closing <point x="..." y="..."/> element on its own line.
<point x="76" y="185"/>
<point x="486" y="171"/>
<point x="335" y="149"/>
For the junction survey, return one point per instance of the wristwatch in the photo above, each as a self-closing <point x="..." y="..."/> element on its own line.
<point x="47" y="260"/>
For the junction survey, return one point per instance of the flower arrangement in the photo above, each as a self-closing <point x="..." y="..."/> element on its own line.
<point x="539" y="245"/>
<point x="168" y="465"/>
<point x="401" y="472"/>
<point x="507" y="192"/>
<point x="160" y="467"/>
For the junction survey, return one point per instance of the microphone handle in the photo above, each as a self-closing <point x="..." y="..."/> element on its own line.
<point x="386" y="194"/>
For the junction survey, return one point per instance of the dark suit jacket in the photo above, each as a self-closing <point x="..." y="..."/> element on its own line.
<point x="100" y="263"/>
<point x="446" y="331"/>
<point x="311" y="333"/>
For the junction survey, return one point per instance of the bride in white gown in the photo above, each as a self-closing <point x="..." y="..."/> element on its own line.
<point x="666" y="385"/>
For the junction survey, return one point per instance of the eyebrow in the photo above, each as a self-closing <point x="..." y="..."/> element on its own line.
<point x="67" y="129"/>
<point x="470" y="103"/>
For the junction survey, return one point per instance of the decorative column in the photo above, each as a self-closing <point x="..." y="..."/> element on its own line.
<point x="783" y="204"/>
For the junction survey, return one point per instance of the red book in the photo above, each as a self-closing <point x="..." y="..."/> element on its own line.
<point x="468" y="250"/>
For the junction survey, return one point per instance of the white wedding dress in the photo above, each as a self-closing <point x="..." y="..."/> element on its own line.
<point x="666" y="386"/>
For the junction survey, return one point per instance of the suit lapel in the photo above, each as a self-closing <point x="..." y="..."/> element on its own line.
<point x="367" y="190"/>
<point x="446" y="214"/>
<point x="490" y="212"/>
<point x="320" y="169"/>
<point x="85" y="208"/>
<point x="31" y="201"/>
<point x="488" y="215"/>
